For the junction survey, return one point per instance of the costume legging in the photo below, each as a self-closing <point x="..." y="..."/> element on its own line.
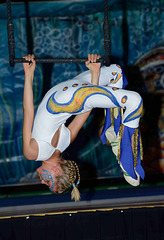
<point x="85" y="98"/>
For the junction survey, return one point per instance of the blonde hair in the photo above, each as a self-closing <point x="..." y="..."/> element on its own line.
<point x="70" y="178"/>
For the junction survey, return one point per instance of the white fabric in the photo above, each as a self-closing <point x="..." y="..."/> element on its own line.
<point x="46" y="149"/>
<point x="64" y="138"/>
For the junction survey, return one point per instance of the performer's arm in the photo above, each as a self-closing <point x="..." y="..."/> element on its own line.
<point x="94" y="68"/>
<point x="30" y="148"/>
<point x="78" y="122"/>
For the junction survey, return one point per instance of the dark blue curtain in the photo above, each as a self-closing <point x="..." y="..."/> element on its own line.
<point x="137" y="38"/>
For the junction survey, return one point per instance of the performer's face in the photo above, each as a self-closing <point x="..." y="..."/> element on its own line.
<point x="48" y="175"/>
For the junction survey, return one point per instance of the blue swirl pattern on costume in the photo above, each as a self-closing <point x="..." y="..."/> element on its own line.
<point x="78" y="99"/>
<point x="135" y="114"/>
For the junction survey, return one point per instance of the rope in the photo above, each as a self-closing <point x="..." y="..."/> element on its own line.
<point x="11" y="43"/>
<point x="10" y="31"/>
<point x="107" y="41"/>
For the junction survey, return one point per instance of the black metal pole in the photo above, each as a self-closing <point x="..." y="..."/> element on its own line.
<point x="57" y="60"/>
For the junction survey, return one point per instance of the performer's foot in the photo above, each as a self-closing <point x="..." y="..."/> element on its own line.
<point x="113" y="139"/>
<point x="129" y="179"/>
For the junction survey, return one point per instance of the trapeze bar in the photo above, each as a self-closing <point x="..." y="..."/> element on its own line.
<point x="57" y="60"/>
<point x="11" y="43"/>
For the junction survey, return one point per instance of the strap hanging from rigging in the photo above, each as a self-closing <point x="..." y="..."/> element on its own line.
<point x="10" y="30"/>
<point x="11" y="43"/>
<point x="107" y="40"/>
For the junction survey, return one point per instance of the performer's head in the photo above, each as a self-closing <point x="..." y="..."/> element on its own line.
<point x="61" y="177"/>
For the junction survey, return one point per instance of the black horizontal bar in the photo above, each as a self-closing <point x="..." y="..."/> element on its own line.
<point x="57" y="60"/>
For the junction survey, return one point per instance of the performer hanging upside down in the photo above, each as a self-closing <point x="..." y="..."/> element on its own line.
<point x="45" y="137"/>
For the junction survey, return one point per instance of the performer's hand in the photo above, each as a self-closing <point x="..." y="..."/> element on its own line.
<point x="91" y="63"/>
<point x="29" y="68"/>
<point x="94" y="68"/>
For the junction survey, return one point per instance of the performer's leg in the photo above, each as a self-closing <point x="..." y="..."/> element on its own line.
<point x="131" y="102"/>
<point x="131" y="180"/>
<point x="130" y="141"/>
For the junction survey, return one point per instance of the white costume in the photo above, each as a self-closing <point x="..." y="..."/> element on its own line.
<point x="77" y="96"/>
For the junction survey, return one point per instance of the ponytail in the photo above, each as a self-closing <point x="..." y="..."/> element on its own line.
<point x="74" y="175"/>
